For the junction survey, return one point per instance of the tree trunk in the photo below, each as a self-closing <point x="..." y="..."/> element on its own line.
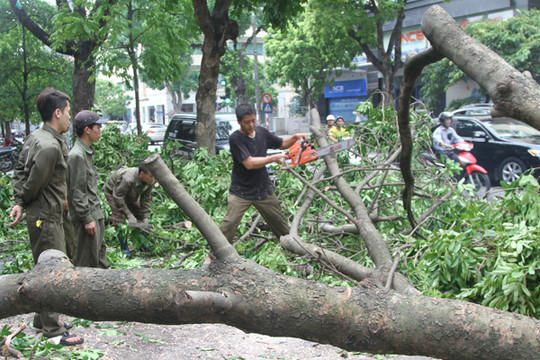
<point x="176" y="97"/>
<point x="245" y="295"/>
<point x="132" y="53"/>
<point x="206" y="96"/>
<point x="514" y="94"/>
<point x="83" y="88"/>
<point x="386" y="60"/>
<point x="217" y="29"/>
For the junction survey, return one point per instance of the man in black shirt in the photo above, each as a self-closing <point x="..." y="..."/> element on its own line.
<point x="250" y="183"/>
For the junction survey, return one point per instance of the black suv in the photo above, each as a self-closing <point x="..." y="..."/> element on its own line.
<point x="183" y="130"/>
<point x="505" y="147"/>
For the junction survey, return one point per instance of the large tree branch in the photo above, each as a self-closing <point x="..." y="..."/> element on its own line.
<point x="377" y="248"/>
<point x="217" y="241"/>
<point x="202" y="14"/>
<point x="28" y="23"/>
<point x="413" y="68"/>
<point x="514" y="94"/>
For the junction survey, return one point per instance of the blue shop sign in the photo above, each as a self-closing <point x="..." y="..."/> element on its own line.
<point x="346" y="89"/>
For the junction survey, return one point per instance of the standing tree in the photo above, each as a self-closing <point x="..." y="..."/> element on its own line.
<point x="148" y="36"/>
<point x="217" y="28"/>
<point x="178" y="84"/>
<point x="238" y="68"/>
<point x="79" y="30"/>
<point x="306" y="61"/>
<point x="363" y="21"/>
<point x="26" y="66"/>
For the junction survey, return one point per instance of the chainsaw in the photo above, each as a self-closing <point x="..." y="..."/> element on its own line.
<point x="304" y="151"/>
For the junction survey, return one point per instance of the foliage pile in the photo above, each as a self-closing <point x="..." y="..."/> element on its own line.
<point x="489" y="254"/>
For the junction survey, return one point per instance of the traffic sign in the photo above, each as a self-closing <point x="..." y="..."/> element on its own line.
<point x="267" y="98"/>
<point x="267" y="108"/>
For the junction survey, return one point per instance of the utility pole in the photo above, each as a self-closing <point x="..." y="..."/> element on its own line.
<point x="256" y="75"/>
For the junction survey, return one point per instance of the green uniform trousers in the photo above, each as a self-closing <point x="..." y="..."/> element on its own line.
<point x="45" y="235"/>
<point x="91" y="249"/>
<point x="268" y="208"/>
<point x="71" y="238"/>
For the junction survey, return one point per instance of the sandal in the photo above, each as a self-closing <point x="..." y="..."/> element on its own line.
<point x="66" y="337"/>
<point x="66" y="324"/>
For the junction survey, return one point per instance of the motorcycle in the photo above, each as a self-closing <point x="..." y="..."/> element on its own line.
<point x="9" y="155"/>
<point x="472" y="172"/>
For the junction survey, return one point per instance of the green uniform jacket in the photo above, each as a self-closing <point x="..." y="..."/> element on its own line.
<point x="39" y="181"/>
<point x="83" y="199"/>
<point x="125" y="187"/>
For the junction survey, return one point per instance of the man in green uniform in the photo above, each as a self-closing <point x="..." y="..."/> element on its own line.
<point x="39" y="185"/>
<point x="83" y="199"/>
<point x="129" y="192"/>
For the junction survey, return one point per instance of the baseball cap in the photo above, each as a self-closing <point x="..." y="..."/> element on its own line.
<point x="330" y="117"/>
<point x="86" y="118"/>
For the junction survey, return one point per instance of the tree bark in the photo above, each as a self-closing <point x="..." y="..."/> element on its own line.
<point x="217" y="29"/>
<point x="413" y="68"/>
<point x="514" y="94"/>
<point x="252" y="298"/>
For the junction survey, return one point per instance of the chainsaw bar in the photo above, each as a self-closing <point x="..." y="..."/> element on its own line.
<point x="304" y="152"/>
<point x="339" y="146"/>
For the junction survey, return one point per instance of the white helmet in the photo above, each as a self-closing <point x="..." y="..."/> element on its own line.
<point x="330" y="117"/>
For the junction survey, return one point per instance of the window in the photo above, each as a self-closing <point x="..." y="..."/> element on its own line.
<point x="466" y="128"/>
<point x="188" y="131"/>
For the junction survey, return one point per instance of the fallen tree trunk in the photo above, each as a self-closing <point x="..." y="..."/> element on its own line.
<point x="243" y="294"/>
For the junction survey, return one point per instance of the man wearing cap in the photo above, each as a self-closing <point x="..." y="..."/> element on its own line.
<point x="39" y="186"/>
<point x="84" y="206"/>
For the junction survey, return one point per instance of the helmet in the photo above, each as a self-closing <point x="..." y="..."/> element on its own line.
<point x="330" y="117"/>
<point x="444" y="115"/>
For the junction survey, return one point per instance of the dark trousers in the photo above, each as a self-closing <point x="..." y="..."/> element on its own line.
<point x="91" y="249"/>
<point x="45" y="235"/>
<point x="449" y="154"/>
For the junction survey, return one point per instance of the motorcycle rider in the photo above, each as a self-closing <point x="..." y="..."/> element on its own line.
<point x="444" y="137"/>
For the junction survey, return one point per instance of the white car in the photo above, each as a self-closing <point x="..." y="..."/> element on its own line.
<point x="156" y="132"/>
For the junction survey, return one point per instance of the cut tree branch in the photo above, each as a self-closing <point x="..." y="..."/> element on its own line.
<point x="514" y="94"/>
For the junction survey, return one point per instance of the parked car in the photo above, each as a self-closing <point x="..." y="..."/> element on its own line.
<point x="120" y="124"/>
<point x="505" y="147"/>
<point x="183" y="130"/>
<point x="155" y="131"/>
